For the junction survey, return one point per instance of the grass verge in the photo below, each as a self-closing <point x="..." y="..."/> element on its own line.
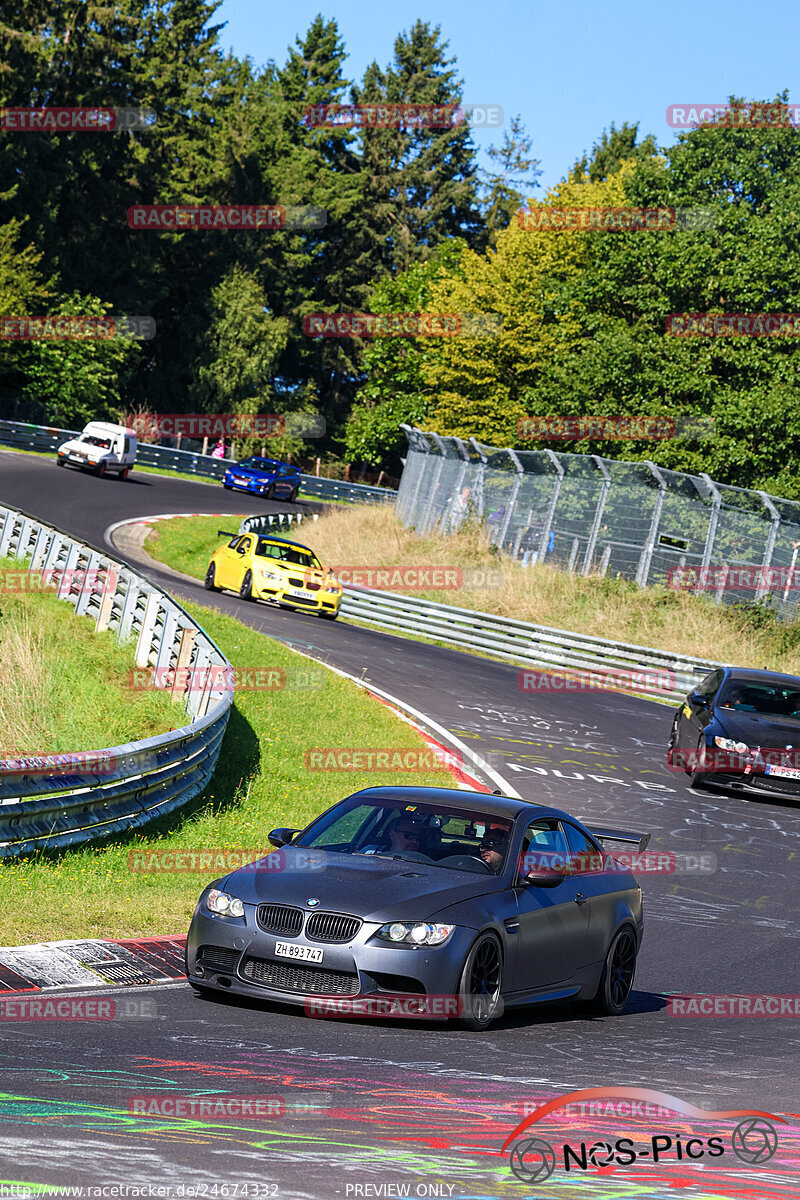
<point x="261" y="782"/>
<point x="615" y="608"/>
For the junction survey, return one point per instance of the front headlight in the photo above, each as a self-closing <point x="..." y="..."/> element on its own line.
<point x="416" y="933"/>
<point x="729" y="744"/>
<point x="270" y="575"/>
<point x="224" y="905"/>
<point x="333" y="587"/>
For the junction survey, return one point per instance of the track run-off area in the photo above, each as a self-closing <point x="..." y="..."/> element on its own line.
<point x="358" y="1104"/>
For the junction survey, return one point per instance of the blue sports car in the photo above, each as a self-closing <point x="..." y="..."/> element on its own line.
<point x="740" y="729"/>
<point x="264" y="476"/>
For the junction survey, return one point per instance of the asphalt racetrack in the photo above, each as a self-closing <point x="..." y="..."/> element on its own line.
<point x="360" y="1104"/>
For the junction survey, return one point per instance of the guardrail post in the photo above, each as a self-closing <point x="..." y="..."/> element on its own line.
<point x="90" y="574"/>
<point x="643" y="569"/>
<point x="25" y="530"/>
<point x="143" y="645"/>
<point x="775" y="524"/>
<point x="184" y="657"/>
<point x="129" y="605"/>
<point x="166" y="645"/>
<point x="7" y="532"/>
<point x="67" y="575"/>
<point x="40" y="547"/>
<point x="107" y="602"/>
<point x="594" y="533"/>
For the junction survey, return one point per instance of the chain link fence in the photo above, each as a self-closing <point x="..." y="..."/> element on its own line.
<point x="594" y="515"/>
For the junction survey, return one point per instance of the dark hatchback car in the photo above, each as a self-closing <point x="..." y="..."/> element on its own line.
<point x="740" y="729"/>
<point x="264" y="477"/>
<point x="426" y="892"/>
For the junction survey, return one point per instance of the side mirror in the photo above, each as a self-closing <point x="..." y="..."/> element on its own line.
<point x="696" y="698"/>
<point x="281" y="837"/>
<point x="537" y="877"/>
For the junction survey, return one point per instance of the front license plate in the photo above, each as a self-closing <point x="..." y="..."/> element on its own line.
<point x="784" y="772"/>
<point x="75" y="458"/>
<point x="304" y="953"/>
<point x="297" y="592"/>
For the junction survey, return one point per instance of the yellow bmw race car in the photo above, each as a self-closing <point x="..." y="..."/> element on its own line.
<point x="261" y="567"/>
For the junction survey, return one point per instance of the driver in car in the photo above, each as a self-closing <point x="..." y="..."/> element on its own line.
<point x="493" y="848"/>
<point x="403" y="834"/>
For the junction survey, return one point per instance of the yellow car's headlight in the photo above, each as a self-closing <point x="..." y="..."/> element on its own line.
<point x="270" y="575"/>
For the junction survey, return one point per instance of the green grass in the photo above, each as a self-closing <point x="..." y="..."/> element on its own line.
<point x="187" y="543"/>
<point x="64" y="687"/>
<point x="261" y="782"/>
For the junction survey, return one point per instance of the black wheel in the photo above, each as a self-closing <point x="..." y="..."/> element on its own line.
<point x="293" y="495"/>
<point x="269" y="494"/>
<point x="246" y="589"/>
<point x="697" y="770"/>
<point x="616" y="980"/>
<point x="227" y="486"/>
<point x="100" y="469"/>
<point x="61" y="462"/>
<point x="208" y="582"/>
<point x="481" y="980"/>
<point x="124" y="474"/>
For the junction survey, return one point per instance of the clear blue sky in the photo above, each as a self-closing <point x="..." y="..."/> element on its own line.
<point x="568" y="67"/>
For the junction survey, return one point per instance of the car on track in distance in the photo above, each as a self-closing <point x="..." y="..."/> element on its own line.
<point x="262" y="567"/>
<point x="264" y="477"/>
<point x="102" y="448"/>
<point x="422" y="892"/>
<point x="740" y="729"/>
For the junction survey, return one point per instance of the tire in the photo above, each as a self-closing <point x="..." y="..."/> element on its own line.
<point x="481" y="984"/>
<point x="269" y="494"/>
<point x="208" y="582"/>
<point x="227" y="487"/>
<point x="697" y="778"/>
<point x="60" y="462"/>
<point x="246" y="587"/>
<point x="616" y="980"/>
<point x="100" y="470"/>
<point x="125" y="473"/>
<point x="293" y="495"/>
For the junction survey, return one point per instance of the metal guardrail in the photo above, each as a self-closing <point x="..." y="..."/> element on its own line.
<point x="263" y="523"/>
<point x="46" y="439"/>
<point x="56" y="801"/>
<point x="557" y="650"/>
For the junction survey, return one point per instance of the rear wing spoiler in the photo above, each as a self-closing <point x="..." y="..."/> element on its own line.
<point x="641" y="840"/>
<point x="226" y="533"/>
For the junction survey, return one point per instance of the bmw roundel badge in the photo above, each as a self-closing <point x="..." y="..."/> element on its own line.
<point x="312" y="902"/>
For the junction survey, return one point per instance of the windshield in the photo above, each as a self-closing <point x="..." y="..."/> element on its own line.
<point x="103" y="443"/>
<point x="258" y="464"/>
<point x="456" y="839"/>
<point x="293" y="555"/>
<point x="766" y="699"/>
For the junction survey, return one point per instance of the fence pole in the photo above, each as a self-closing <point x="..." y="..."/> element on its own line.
<point x="598" y="513"/>
<point x="775" y="524"/>
<point x="711" y="532"/>
<point x="512" y="500"/>
<point x="643" y="570"/>
<point x="551" y="508"/>
<point x="481" y="475"/>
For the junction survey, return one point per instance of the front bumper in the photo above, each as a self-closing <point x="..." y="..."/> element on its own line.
<point x="237" y="956"/>
<point x="311" y="601"/>
<point x="756" y="782"/>
<point x="248" y="485"/>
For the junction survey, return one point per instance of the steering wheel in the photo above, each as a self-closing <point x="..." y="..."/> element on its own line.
<point x="412" y="856"/>
<point x="465" y="862"/>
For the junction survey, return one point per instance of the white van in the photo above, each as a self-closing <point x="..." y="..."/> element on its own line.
<point x="103" y="448"/>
